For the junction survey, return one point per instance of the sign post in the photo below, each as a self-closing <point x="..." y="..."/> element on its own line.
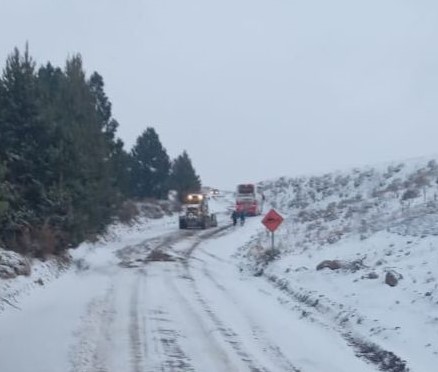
<point x="272" y="220"/>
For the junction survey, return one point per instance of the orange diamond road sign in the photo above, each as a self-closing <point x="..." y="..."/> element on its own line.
<point x="272" y="220"/>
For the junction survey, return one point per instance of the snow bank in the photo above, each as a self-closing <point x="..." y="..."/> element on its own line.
<point x="359" y="228"/>
<point x="20" y="275"/>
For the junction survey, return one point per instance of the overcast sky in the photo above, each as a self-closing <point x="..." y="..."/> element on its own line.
<point x="252" y="89"/>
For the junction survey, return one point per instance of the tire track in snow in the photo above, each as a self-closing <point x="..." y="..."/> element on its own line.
<point x="150" y="323"/>
<point x="160" y="340"/>
<point x="164" y="338"/>
<point x="229" y="336"/>
<point x="90" y="354"/>
<point x="193" y="315"/>
<point x="216" y="232"/>
<point x="364" y="349"/>
<point x="134" y="330"/>
<point x="275" y="352"/>
<point x="227" y="333"/>
<point x="166" y="342"/>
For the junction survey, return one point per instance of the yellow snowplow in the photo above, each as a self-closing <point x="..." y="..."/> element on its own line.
<point x="195" y="213"/>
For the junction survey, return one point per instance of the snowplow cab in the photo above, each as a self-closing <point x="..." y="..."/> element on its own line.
<point x="195" y="199"/>
<point x="195" y="213"/>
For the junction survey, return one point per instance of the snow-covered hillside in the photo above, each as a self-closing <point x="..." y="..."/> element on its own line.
<point x="358" y="252"/>
<point x="351" y="285"/>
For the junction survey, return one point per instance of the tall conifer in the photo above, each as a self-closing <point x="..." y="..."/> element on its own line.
<point x="151" y="166"/>
<point x="183" y="177"/>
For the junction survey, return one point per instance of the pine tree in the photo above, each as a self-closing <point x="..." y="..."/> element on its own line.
<point x="117" y="158"/>
<point x="151" y="166"/>
<point x="62" y="171"/>
<point x="3" y="192"/>
<point x="51" y="85"/>
<point x="88" y="176"/>
<point x="22" y="132"/>
<point x="121" y="165"/>
<point x="106" y="122"/>
<point x="183" y="177"/>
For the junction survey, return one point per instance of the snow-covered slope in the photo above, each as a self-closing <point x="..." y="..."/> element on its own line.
<point x="374" y="225"/>
<point x="20" y="275"/>
<point x="153" y="297"/>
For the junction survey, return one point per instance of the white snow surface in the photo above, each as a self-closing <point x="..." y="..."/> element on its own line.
<point x="154" y="298"/>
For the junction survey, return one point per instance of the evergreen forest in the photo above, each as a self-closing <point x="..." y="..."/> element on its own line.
<point x="64" y="173"/>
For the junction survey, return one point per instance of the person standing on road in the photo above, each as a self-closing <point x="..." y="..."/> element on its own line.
<point x="234" y="217"/>
<point x="242" y="217"/>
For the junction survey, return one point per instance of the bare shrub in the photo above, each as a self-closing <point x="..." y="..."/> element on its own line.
<point x="270" y="255"/>
<point x="168" y="207"/>
<point x="395" y="186"/>
<point x="152" y="210"/>
<point x="342" y="180"/>
<point x="410" y="194"/>
<point x="308" y="215"/>
<point x="432" y="164"/>
<point x="330" y="213"/>
<point x="263" y="256"/>
<point x="44" y="241"/>
<point x="334" y="236"/>
<point x="128" y="212"/>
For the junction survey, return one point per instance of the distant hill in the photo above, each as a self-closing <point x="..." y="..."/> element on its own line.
<point x="334" y="205"/>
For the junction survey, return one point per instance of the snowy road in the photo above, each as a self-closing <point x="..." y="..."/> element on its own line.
<point x="175" y="301"/>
